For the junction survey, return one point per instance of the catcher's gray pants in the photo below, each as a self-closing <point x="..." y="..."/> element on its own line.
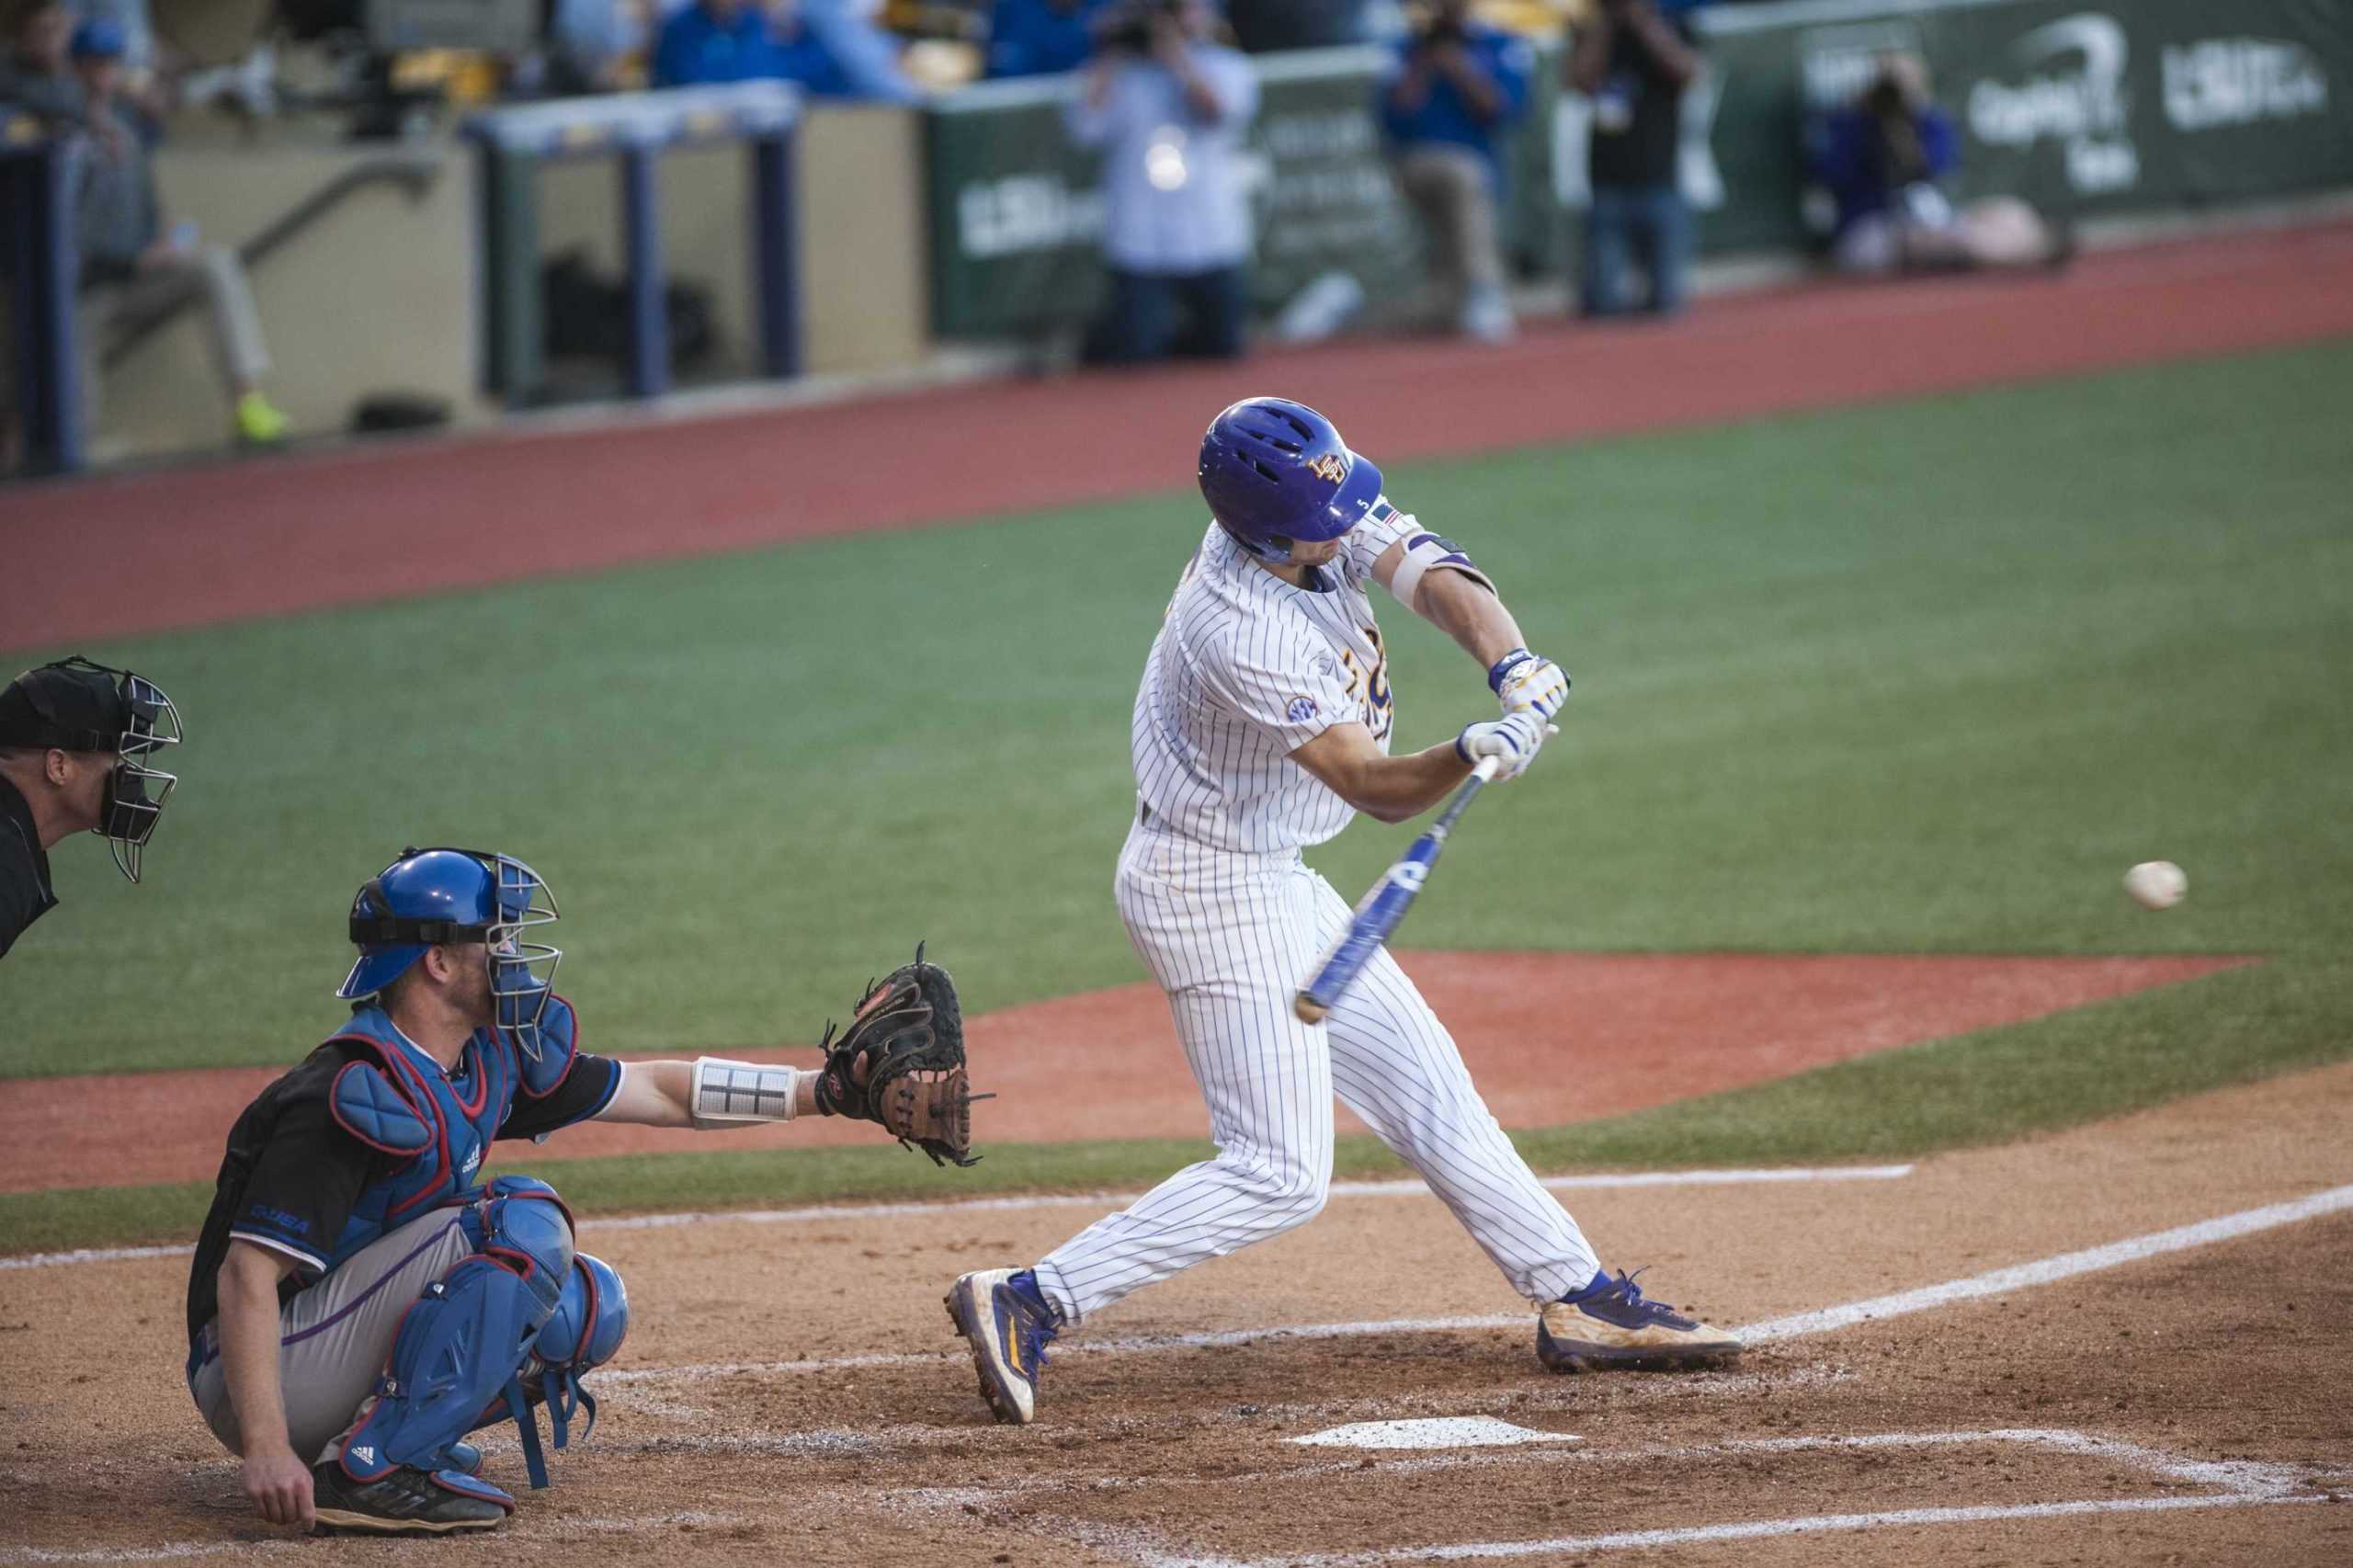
<point x="336" y="1335"/>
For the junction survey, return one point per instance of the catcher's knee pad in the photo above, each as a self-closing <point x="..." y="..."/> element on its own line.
<point x="457" y="1349"/>
<point x="522" y="1224"/>
<point x="585" y="1332"/>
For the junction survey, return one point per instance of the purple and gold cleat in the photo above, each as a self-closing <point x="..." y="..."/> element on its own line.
<point x="1009" y="1325"/>
<point x="1609" y="1326"/>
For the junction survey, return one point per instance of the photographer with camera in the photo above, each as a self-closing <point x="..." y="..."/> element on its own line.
<point x="1167" y="107"/>
<point x="1456" y="86"/>
<point x="1885" y="159"/>
<point x="1633" y="63"/>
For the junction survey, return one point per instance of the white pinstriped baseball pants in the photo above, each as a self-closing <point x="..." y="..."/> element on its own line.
<point x="1229" y="938"/>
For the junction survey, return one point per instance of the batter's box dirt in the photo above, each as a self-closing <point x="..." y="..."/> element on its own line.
<point x="1550" y="1499"/>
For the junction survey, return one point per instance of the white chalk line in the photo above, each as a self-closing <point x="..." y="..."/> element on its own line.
<point x="542" y="1529"/>
<point x="2024" y="1276"/>
<point x="2091" y="1260"/>
<point x="2249" y="1477"/>
<point x="1404" y="1187"/>
<point x="2020" y="1276"/>
<point x="2236" y="1485"/>
<point x="1697" y="1535"/>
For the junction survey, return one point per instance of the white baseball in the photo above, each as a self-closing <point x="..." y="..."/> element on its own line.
<point x="2156" y="884"/>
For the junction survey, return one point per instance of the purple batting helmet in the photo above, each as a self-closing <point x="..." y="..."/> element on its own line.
<point x="1274" y="471"/>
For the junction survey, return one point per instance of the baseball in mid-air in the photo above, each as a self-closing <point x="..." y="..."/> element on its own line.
<point x="2156" y="884"/>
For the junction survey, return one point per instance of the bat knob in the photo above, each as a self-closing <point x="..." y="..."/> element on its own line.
<point x="1309" y="1009"/>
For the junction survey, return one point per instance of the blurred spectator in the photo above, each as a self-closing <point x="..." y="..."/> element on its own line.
<point x="1884" y="160"/>
<point x="130" y="17"/>
<point x="589" y="43"/>
<point x="1634" y="62"/>
<point x="147" y="90"/>
<point x="1261" y="25"/>
<point x="132" y="270"/>
<point x="38" y="74"/>
<point x="849" y="49"/>
<point x="715" y="41"/>
<point x="1168" y="107"/>
<point x="1040" y="38"/>
<point x="831" y="48"/>
<point x="1457" y="85"/>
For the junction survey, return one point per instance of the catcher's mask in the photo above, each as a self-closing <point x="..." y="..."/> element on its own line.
<point x="78" y="704"/>
<point x="431" y="896"/>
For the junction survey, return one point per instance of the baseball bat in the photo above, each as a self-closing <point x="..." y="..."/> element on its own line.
<point x="1386" y="904"/>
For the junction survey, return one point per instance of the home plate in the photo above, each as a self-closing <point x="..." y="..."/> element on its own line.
<point x="1438" y="1432"/>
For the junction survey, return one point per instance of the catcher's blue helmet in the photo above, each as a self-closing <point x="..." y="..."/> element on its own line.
<point x="430" y="897"/>
<point x="1274" y="471"/>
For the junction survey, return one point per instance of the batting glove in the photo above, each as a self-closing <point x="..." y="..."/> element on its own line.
<point x="1514" y="738"/>
<point x="1522" y="682"/>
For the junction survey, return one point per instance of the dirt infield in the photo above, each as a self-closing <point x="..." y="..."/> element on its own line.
<point x="791" y="1393"/>
<point x="1552" y="1037"/>
<point x="189" y="547"/>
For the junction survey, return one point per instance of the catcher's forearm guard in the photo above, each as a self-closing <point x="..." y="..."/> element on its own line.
<point x="901" y="1062"/>
<point x="730" y="1094"/>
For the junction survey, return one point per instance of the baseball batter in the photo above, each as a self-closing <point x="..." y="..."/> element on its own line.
<point x="359" y="1301"/>
<point x="1261" y="727"/>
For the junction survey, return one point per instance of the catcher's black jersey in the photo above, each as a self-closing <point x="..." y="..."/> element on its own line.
<point x="292" y="1176"/>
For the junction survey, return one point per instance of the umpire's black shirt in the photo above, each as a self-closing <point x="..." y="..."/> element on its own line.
<point x="25" y="894"/>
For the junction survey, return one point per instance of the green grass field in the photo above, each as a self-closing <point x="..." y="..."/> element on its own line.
<point x="1922" y="678"/>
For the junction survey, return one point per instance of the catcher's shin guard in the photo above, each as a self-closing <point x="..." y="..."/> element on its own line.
<point x="458" y="1348"/>
<point x="590" y="1321"/>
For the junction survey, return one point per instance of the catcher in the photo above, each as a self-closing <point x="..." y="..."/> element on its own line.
<point x="358" y="1303"/>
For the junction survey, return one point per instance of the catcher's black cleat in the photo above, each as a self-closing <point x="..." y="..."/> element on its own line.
<point x="405" y="1502"/>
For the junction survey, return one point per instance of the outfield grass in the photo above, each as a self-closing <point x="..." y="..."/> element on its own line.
<point x="1919" y="677"/>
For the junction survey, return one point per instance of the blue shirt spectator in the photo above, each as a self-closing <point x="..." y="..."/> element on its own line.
<point x="828" y="47"/>
<point x="1867" y="155"/>
<point x="715" y="41"/>
<point x="1426" y="99"/>
<point x="1040" y="37"/>
<point x="860" y="58"/>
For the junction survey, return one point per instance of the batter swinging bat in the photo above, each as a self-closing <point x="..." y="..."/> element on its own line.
<point x="1385" y="905"/>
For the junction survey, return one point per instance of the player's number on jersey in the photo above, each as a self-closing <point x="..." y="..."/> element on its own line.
<point x="1372" y="688"/>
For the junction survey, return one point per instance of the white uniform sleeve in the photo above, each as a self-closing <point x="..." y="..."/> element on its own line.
<point x="1383" y="526"/>
<point x="1282" y="678"/>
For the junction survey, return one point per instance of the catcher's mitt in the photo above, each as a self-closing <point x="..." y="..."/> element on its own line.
<point x="901" y="1062"/>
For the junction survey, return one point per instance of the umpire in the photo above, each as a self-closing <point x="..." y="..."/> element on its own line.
<point x="75" y="739"/>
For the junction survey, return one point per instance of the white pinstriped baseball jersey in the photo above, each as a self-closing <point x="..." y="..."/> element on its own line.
<point x="1246" y="670"/>
<point x="1227" y="917"/>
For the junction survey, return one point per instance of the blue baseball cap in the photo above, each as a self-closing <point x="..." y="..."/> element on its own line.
<point x="98" y="39"/>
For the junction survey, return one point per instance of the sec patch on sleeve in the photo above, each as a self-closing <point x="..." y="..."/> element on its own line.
<point x="1302" y="710"/>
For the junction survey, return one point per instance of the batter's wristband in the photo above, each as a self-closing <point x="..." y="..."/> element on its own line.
<point x="1458" y="746"/>
<point x="1503" y="667"/>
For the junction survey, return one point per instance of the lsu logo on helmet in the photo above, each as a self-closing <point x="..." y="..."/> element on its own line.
<point x="1329" y="468"/>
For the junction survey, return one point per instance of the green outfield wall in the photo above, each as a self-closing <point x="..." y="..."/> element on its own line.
<point x="2146" y="106"/>
<point x="2134" y="106"/>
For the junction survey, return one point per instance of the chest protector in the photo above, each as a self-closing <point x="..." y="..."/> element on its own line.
<point x="439" y="1125"/>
